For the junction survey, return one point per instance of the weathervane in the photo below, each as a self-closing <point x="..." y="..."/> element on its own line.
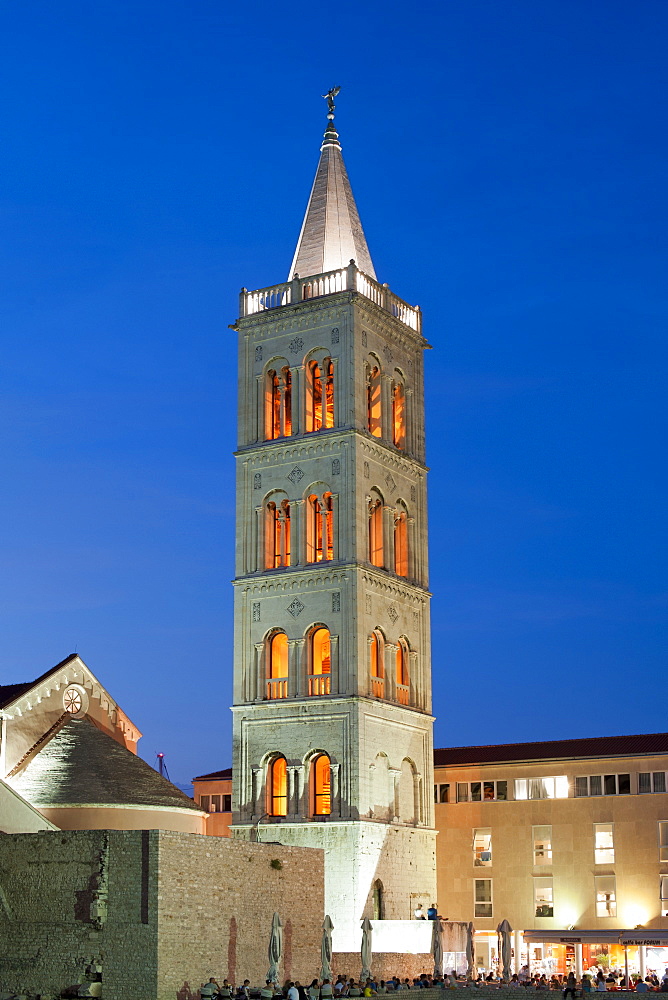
<point x="329" y="97"/>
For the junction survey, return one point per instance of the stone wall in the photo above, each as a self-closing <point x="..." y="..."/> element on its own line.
<point x="159" y="911"/>
<point x="385" y="965"/>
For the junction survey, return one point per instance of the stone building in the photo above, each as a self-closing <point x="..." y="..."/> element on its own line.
<point x="332" y="674"/>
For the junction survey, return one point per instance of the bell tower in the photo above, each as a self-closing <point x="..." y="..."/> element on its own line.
<point x="332" y="676"/>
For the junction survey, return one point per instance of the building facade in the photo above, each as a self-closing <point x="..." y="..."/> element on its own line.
<point x="332" y="687"/>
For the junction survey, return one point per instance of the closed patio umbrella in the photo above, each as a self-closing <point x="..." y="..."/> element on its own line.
<point x="275" y="947"/>
<point x="326" y="948"/>
<point x="366" y="951"/>
<point x="437" y="945"/>
<point x="470" y="951"/>
<point x="504" y="930"/>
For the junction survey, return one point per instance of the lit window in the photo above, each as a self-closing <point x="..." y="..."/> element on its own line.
<point x="398" y="415"/>
<point x="277" y="666"/>
<point x="402" y="674"/>
<point x="482" y="897"/>
<point x="462" y="791"/>
<point x="479" y="791"/>
<point x="278" y="787"/>
<point x="215" y="803"/>
<point x="606" y="896"/>
<point x="542" y="845"/>
<point x="604" y="848"/>
<point x="322" y="793"/>
<point x="319" y="681"/>
<point x="375" y="531"/>
<point x="401" y="544"/>
<point x="278" y="404"/>
<point x="543" y="897"/>
<point x="376" y="666"/>
<point x="373" y="416"/>
<point x="663" y="894"/>
<point x="320" y="528"/>
<point x="482" y="848"/>
<point x="663" y="840"/>
<point x="542" y="788"/>
<point x="277" y="535"/>
<point x="320" y="395"/>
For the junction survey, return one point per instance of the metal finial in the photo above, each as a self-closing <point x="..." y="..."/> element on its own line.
<point x="329" y="97"/>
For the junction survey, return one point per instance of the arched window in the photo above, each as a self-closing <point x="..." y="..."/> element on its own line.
<point x="277" y="666"/>
<point x="401" y="543"/>
<point x="375" y="531"/>
<point x="376" y="653"/>
<point x="321" y="784"/>
<point x="378" y="902"/>
<point x="277" y="535"/>
<point x="402" y="676"/>
<point x="277" y="787"/>
<point x="373" y="412"/>
<point x="320" y="395"/>
<point x="319" y="681"/>
<point x="319" y="528"/>
<point x="278" y="404"/>
<point x="398" y="415"/>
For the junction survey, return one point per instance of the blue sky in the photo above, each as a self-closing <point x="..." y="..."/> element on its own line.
<point x="508" y="160"/>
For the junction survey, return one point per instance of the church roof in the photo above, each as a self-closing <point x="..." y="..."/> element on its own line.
<point x="331" y="234"/>
<point x="81" y="765"/>
<point x="10" y="692"/>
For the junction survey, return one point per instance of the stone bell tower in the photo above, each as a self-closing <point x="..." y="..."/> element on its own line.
<point x="332" y="675"/>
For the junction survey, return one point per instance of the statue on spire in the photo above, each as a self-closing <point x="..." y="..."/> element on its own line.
<point x="329" y="97"/>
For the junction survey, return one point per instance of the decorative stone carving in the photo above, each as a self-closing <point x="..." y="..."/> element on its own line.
<point x="368" y="604"/>
<point x="258" y="352"/>
<point x="336" y="601"/>
<point x="413" y="493"/>
<point x="390" y="483"/>
<point x="296" y="475"/>
<point x="296" y="607"/>
<point x="256" y="611"/>
<point x="296" y="344"/>
<point x="363" y="338"/>
<point x="336" y="466"/>
<point x="366" y="470"/>
<point x="335" y="335"/>
<point x="257" y="481"/>
<point x="388" y="354"/>
<point x="392" y="614"/>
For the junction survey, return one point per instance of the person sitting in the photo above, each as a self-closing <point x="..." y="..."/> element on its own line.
<point x="267" y="991"/>
<point x="326" y="990"/>
<point x="642" y="986"/>
<point x="354" y="989"/>
<point x="432" y="912"/>
<point x="210" y="989"/>
<point x="514" y="980"/>
<point x="369" y="991"/>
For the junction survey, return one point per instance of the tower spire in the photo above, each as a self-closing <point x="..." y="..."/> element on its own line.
<point x="331" y="234"/>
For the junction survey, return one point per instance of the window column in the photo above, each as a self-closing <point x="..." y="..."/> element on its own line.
<point x="297" y="532"/>
<point x="294" y="790"/>
<point x="395" y="778"/>
<point x="412" y="554"/>
<point x="296" y="680"/>
<point x="334" y="664"/>
<point x="256" y="793"/>
<point x="409" y="421"/>
<point x="257" y="547"/>
<point x="297" y="376"/>
<point x="391" y="670"/>
<point x="388" y="536"/>
<point x="257" y="429"/>
<point x="335" y="790"/>
<point x="386" y="406"/>
<point x="257" y="679"/>
<point x="335" y="525"/>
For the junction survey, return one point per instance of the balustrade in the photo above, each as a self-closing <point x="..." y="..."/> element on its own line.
<point x="319" y="684"/>
<point x="378" y="687"/>
<point x="277" y="688"/>
<point x="403" y="693"/>
<point x="329" y="283"/>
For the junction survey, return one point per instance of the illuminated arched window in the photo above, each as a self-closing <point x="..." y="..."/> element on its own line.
<point x="277" y="535"/>
<point x="277" y="666"/>
<point x="322" y="785"/>
<point x="319" y="681"/>
<point x="319" y="528"/>
<point x="277" y="787"/>
<point x="375" y="531"/>
<point x="278" y="404"/>
<point x="402" y="676"/>
<point x="398" y="415"/>
<point x="373" y="411"/>
<point x="376" y="654"/>
<point x="320" y="395"/>
<point x="401" y="543"/>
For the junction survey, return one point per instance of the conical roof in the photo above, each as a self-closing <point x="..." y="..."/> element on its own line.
<point x="81" y="765"/>
<point x="331" y="234"/>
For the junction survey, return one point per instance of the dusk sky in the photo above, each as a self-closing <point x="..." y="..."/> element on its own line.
<point x="508" y="159"/>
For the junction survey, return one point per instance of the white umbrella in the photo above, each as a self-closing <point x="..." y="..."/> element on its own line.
<point x="470" y="951"/>
<point x="275" y="947"/>
<point x="367" y="931"/>
<point x="326" y="949"/>
<point x="504" y="930"/>
<point x="437" y="945"/>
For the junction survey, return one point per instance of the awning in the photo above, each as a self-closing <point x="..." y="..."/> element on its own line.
<point x="573" y="937"/>
<point x="645" y="936"/>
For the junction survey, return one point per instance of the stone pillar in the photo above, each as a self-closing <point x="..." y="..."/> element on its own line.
<point x="297" y="532"/>
<point x="297" y="399"/>
<point x="413" y="560"/>
<point x="417" y="799"/>
<point x="295" y="791"/>
<point x="386" y="407"/>
<point x="336" y="551"/>
<point x="391" y="671"/>
<point x="335" y="790"/>
<point x="517" y="948"/>
<point x="297" y="683"/>
<point x="395" y="778"/>
<point x="334" y="683"/>
<point x="578" y="960"/>
<point x="256" y="561"/>
<point x="416" y="688"/>
<point x="641" y="961"/>
<point x="409" y="421"/>
<point x="366" y="687"/>
<point x="256" y="794"/>
<point x="257" y="689"/>
<point x="388" y="537"/>
<point x="339" y="408"/>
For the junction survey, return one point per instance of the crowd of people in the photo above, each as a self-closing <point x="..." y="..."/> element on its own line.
<point x="593" y="981"/>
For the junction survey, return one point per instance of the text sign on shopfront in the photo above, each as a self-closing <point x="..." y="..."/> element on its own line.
<point x="647" y="942"/>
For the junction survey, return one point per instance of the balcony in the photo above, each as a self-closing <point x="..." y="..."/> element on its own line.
<point x="318" y="285"/>
<point x="378" y="687"/>
<point x="277" y="689"/>
<point x="319" y="684"/>
<point x="403" y="693"/>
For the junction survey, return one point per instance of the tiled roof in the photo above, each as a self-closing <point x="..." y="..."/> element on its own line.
<point x="82" y="765"/>
<point x="591" y="746"/>
<point x="10" y="692"/>
<point x="225" y="773"/>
